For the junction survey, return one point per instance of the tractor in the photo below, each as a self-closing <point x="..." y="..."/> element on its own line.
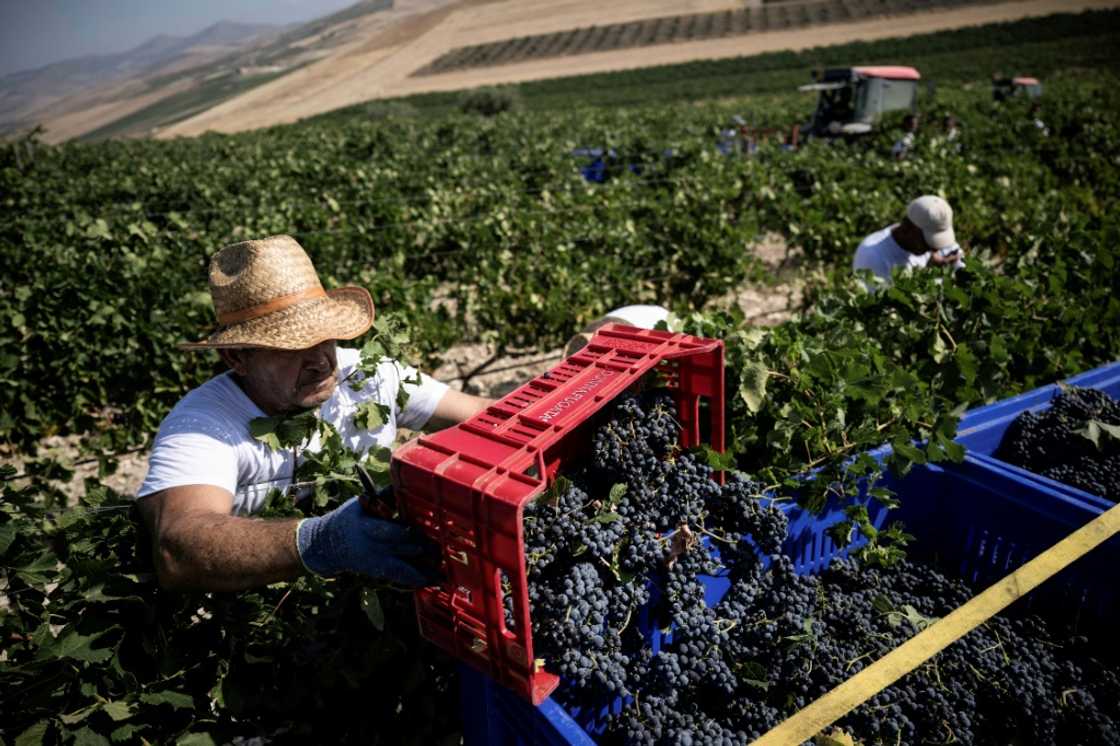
<point x="852" y="99"/>
<point x="1005" y="88"/>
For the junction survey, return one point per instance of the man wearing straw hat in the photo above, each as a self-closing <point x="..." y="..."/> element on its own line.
<point x="207" y="474"/>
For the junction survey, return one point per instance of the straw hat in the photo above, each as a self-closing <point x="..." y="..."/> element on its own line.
<point x="266" y="294"/>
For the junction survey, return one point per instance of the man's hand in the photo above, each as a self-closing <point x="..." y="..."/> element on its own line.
<point x="348" y="540"/>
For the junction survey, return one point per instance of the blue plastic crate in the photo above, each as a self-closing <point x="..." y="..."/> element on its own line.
<point x="973" y="519"/>
<point x="982" y="429"/>
<point x="983" y="522"/>
<point x="495" y="716"/>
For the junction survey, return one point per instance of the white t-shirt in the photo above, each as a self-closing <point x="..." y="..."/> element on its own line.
<point x="880" y="253"/>
<point x="903" y="146"/>
<point x="206" y="440"/>
<point x="643" y="317"/>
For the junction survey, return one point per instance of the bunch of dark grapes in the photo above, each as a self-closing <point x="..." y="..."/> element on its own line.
<point x="642" y="430"/>
<point x="740" y="513"/>
<point x="788" y="639"/>
<point x="1054" y="442"/>
<point x="610" y="567"/>
<point x="629" y="523"/>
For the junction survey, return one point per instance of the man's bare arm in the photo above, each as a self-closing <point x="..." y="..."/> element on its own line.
<point x="198" y="545"/>
<point x="456" y="407"/>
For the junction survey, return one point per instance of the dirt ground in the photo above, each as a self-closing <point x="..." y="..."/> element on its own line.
<point x="127" y="478"/>
<point x="380" y="67"/>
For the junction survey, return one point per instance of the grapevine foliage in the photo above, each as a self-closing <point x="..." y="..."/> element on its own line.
<point x="484" y="230"/>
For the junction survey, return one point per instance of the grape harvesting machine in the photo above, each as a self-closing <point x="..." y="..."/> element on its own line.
<point x="852" y="99"/>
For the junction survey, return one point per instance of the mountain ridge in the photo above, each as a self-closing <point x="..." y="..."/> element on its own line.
<point x="24" y="93"/>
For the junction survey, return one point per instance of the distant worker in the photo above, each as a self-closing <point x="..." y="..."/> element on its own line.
<point x="790" y="138"/>
<point x="728" y="140"/>
<point x="642" y="317"/>
<point x="925" y="236"/>
<point x="951" y="127"/>
<point x="1001" y="87"/>
<point x="747" y="143"/>
<point x="948" y="137"/>
<point x="1035" y="115"/>
<point x="905" y="144"/>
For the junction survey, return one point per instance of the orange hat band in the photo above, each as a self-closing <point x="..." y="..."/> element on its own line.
<point x="272" y="306"/>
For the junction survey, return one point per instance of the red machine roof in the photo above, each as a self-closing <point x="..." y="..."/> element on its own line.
<point x="1024" y="81"/>
<point x="893" y="72"/>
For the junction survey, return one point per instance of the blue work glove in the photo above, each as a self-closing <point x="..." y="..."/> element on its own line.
<point x="348" y="540"/>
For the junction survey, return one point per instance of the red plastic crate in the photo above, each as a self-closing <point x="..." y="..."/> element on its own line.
<point x="467" y="486"/>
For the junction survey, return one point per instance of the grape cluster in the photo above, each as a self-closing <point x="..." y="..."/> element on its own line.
<point x="626" y="524"/>
<point x="611" y="567"/>
<point x="1055" y="442"/>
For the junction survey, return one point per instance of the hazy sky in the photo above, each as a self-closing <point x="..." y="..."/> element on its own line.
<point x="34" y="33"/>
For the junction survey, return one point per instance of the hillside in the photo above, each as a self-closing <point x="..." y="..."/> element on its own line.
<point x="167" y="78"/>
<point x="382" y="49"/>
<point x="34" y="95"/>
<point x="383" y="67"/>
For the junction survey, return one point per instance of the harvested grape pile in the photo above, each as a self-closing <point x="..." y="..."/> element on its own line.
<point x="1075" y="441"/>
<point x="614" y="552"/>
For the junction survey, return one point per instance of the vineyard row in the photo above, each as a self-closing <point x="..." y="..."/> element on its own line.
<point x="673" y="29"/>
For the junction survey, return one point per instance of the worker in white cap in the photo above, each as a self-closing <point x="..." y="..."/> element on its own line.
<point x="905" y="144"/>
<point x="923" y="237"/>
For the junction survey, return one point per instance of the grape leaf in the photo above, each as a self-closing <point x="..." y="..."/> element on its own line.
<point x="371" y="605"/>
<point x="119" y="710"/>
<point x="752" y="387"/>
<point x="74" y="645"/>
<point x="1094" y="429"/>
<point x="87" y="737"/>
<point x="8" y="533"/>
<point x="370" y="415"/>
<point x="177" y="700"/>
<point x="264" y="430"/>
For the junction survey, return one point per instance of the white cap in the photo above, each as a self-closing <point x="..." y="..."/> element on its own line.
<point x="934" y="218"/>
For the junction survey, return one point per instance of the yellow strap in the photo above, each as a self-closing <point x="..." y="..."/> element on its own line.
<point x="832" y="706"/>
